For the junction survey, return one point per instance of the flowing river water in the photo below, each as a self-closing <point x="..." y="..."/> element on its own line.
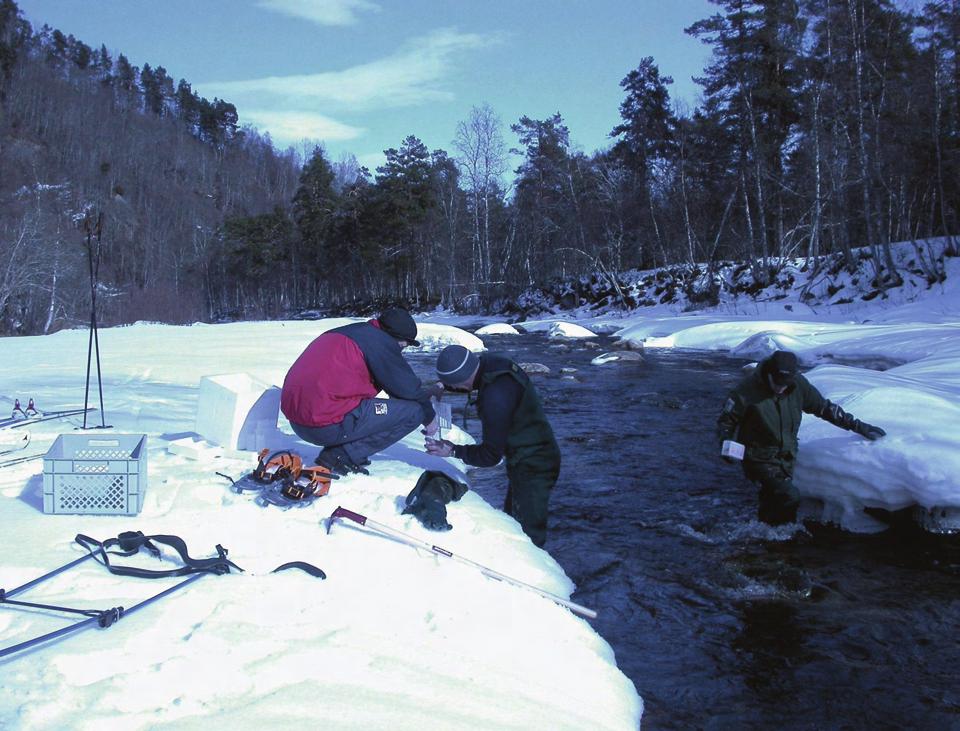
<point x="719" y="621"/>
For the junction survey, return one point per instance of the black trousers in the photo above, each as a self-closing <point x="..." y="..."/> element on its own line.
<point x="528" y="493"/>
<point x="778" y="499"/>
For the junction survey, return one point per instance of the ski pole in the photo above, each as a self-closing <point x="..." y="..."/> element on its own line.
<point x="103" y="619"/>
<point x="45" y="576"/>
<point x="49" y="636"/>
<point x="363" y="520"/>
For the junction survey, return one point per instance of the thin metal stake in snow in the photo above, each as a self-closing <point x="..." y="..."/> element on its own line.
<point x="342" y="512"/>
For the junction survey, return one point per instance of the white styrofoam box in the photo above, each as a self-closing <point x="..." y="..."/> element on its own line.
<point x="237" y="411"/>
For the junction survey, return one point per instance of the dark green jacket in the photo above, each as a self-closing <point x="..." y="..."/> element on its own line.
<point x="528" y="440"/>
<point x="767" y="424"/>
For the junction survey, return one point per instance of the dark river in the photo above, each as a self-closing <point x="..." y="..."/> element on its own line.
<point x="719" y="621"/>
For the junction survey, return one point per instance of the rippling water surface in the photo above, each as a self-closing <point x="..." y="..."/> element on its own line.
<point x="719" y="621"/>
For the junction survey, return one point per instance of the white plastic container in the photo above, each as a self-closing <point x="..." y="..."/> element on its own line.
<point x="732" y="449"/>
<point x="101" y="474"/>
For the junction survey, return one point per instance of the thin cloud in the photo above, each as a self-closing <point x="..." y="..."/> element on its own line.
<point x="415" y="75"/>
<point x="321" y="12"/>
<point x="287" y="127"/>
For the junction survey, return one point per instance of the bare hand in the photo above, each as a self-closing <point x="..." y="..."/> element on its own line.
<point x="431" y="428"/>
<point x="438" y="447"/>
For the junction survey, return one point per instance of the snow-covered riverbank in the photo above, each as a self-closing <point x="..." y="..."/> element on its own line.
<point x="393" y="638"/>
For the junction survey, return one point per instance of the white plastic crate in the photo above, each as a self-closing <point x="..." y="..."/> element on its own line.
<point x="95" y="474"/>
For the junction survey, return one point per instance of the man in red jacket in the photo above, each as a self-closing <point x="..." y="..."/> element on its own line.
<point x="329" y="394"/>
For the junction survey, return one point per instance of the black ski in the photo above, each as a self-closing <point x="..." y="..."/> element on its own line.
<point x="11" y="461"/>
<point x="20" y="445"/>
<point x="16" y="423"/>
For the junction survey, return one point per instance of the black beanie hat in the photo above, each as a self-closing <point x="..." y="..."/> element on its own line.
<point x="782" y="367"/>
<point x="397" y="323"/>
<point x="456" y="364"/>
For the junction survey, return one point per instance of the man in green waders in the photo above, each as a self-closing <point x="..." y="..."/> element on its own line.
<point x="761" y="419"/>
<point x="514" y="426"/>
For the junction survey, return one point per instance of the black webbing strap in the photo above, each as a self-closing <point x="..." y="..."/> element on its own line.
<point x="130" y="543"/>
<point x="303" y="566"/>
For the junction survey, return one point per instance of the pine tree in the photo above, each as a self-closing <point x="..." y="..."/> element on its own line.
<point x="80" y="53"/>
<point x="314" y="210"/>
<point x="152" y="98"/>
<point x="125" y="82"/>
<point x="14" y="33"/>
<point x="941" y="46"/>
<point x="647" y="128"/>
<point x="103" y="63"/>
<point x="402" y="197"/>
<point x="645" y="136"/>
<point x="752" y="85"/>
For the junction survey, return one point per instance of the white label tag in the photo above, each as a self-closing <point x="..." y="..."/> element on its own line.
<point x="444" y="413"/>
<point x="380" y="409"/>
<point x="732" y="449"/>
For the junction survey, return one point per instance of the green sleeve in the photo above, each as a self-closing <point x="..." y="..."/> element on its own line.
<point x="813" y="400"/>
<point x="730" y="418"/>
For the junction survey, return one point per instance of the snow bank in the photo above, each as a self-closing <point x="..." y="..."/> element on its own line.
<point x="498" y="328"/>
<point x="898" y="369"/>
<point x="394" y="638"/>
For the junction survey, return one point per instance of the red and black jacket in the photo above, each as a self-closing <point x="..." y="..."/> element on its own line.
<point x="343" y="367"/>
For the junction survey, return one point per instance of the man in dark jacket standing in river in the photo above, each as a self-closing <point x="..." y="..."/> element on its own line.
<point x="763" y="414"/>
<point x="514" y="426"/>
<point x="329" y="393"/>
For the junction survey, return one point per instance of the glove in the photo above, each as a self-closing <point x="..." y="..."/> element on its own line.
<point x="425" y="502"/>
<point x="869" y="431"/>
<point x="428" y="499"/>
<point x="439" y="447"/>
<point x="431" y="512"/>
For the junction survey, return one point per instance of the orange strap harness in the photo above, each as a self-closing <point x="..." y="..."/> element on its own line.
<point x="299" y="482"/>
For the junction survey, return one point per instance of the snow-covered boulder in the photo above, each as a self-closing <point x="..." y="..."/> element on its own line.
<point x="620" y="356"/>
<point x="760" y="345"/>
<point x="534" y="369"/>
<point x="437" y="337"/>
<point x="498" y="328"/>
<point x="569" y="330"/>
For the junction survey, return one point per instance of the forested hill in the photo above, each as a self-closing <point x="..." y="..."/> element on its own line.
<point x="84" y="132"/>
<point x="824" y="126"/>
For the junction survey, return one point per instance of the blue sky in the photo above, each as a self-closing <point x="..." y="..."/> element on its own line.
<point x="361" y="75"/>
